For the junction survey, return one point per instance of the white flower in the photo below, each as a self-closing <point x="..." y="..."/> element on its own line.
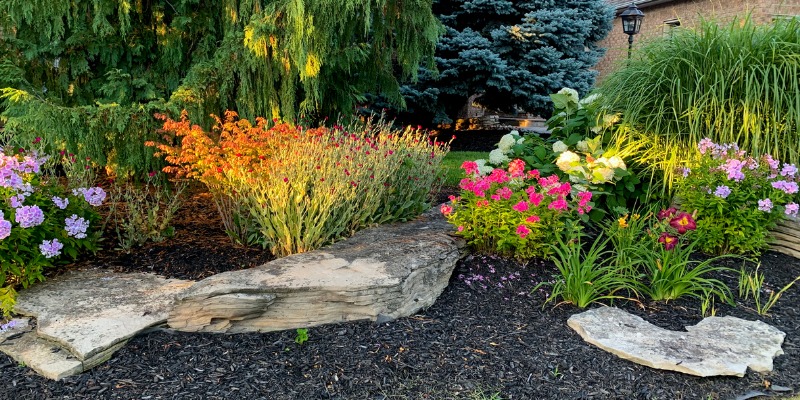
<point x="602" y="175"/>
<point x="616" y="162"/>
<point x="559" y="147"/>
<point x="590" y="99"/>
<point x="483" y="169"/>
<point x="566" y="159"/>
<point x="572" y="93"/>
<point x="514" y="132"/>
<point x="582" y="146"/>
<point x="497" y="157"/>
<point x="520" y="140"/>
<point x="506" y="142"/>
<point x="600" y="162"/>
<point x="609" y="120"/>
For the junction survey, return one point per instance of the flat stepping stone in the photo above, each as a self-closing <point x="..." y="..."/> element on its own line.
<point x="92" y="313"/>
<point x="715" y="346"/>
<point x="384" y="272"/>
<point x="49" y="359"/>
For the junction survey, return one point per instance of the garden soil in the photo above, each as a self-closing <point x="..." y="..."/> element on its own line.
<point x="489" y="332"/>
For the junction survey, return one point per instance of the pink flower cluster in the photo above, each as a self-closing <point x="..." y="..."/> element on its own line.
<point x="509" y="185"/>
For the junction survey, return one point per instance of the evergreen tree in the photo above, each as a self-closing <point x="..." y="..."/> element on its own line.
<point x="90" y="73"/>
<point x="512" y="54"/>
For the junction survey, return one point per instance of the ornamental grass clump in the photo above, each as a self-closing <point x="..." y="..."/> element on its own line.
<point x="294" y="189"/>
<point x="737" y="83"/>
<point x="41" y="222"/>
<point x="514" y="212"/>
<point x="737" y="198"/>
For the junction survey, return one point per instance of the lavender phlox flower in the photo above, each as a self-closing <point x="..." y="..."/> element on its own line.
<point x="8" y="325"/>
<point x="5" y="227"/>
<point x="722" y="191"/>
<point x="733" y="168"/>
<point x="685" y="171"/>
<point x="765" y="205"/>
<point x="61" y="203"/>
<point x="16" y="201"/>
<point x="76" y="226"/>
<point x="786" y="187"/>
<point x="792" y="209"/>
<point x="705" y="145"/>
<point x="93" y="195"/>
<point x="789" y="170"/>
<point x="51" y="248"/>
<point x="773" y="163"/>
<point x="29" y="216"/>
<point x="751" y="163"/>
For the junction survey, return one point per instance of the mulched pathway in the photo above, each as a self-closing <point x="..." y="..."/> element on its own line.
<point x="488" y="333"/>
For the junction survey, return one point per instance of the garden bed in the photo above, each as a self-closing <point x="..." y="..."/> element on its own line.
<point x="473" y="341"/>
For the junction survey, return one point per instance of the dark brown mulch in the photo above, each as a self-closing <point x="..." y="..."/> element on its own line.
<point x="487" y="333"/>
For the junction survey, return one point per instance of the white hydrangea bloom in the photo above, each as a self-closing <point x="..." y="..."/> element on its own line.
<point x="520" y="140"/>
<point x="559" y="147"/>
<point x="572" y="93"/>
<point x="483" y="169"/>
<point x="582" y="146"/>
<point x="566" y="159"/>
<point x="506" y="142"/>
<point x="616" y="162"/>
<point x="497" y="157"/>
<point x="590" y="99"/>
<point x="602" y="175"/>
<point x="600" y="162"/>
<point x="611" y="119"/>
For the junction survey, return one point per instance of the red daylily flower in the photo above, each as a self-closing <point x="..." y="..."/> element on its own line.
<point x="683" y="222"/>
<point x="669" y="241"/>
<point x="668" y="213"/>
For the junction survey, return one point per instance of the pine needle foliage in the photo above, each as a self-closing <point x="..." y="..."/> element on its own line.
<point x="738" y="83"/>
<point x="98" y="70"/>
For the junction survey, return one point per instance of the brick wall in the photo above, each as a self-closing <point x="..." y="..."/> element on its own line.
<point x="688" y="12"/>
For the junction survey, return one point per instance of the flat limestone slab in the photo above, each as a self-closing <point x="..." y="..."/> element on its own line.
<point x="391" y="270"/>
<point x="715" y="346"/>
<point x="47" y="358"/>
<point x="90" y="312"/>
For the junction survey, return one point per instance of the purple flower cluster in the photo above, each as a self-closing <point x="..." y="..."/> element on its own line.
<point x="60" y="203"/>
<point x="792" y="209"/>
<point x="93" y="196"/>
<point x="13" y="168"/>
<point x="765" y="205"/>
<point x="5" y="227"/>
<point x="51" y="248"/>
<point x="722" y="191"/>
<point x="76" y="226"/>
<point x="29" y="216"/>
<point x="733" y="168"/>
<point x="8" y="325"/>
<point x="786" y="187"/>
<point x="788" y="170"/>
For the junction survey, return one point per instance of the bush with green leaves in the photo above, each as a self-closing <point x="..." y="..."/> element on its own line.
<point x="41" y="222"/>
<point x="576" y="151"/>
<point x="734" y="84"/>
<point x="514" y="212"/>
<point x="737" y="198"/>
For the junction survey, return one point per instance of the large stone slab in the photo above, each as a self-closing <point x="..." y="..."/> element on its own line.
<point x="90" y="312"/>
<point x="47" y="358"/>
<point x="715" y="346"/>
<point x="391" y="270"/>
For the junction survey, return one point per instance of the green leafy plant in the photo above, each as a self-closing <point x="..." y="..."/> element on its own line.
<point x="301" y="336"/>
<point x="590" y="276"/>
<point x="143" y="212"/>
<point x="576" y="150"/>
<point x="41" y="222"/>
<point x="753" y="285"/>
<point x="714" y="81"/>
<point x="737" y="198"/>
<point x="514" y="212"/>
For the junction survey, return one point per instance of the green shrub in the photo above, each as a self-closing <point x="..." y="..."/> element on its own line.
<point x="736" y="198"/>
<point x="734" y="84"/>
<point x="41" y="222"/>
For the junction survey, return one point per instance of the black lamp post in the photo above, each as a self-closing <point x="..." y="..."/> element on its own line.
<point x="631" y="23"/>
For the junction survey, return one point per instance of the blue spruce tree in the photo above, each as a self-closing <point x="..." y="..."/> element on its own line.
<point x="512" y="54"/>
